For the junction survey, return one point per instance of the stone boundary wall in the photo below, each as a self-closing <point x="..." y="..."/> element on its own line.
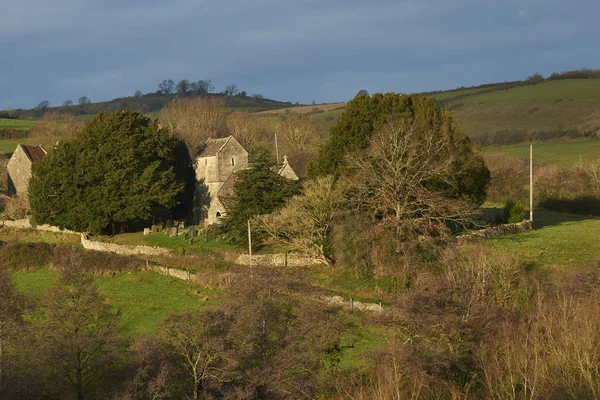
<point x="173" y="272"/>
<point x="499" y="230"/>
<point x="277" y="260"/>
<point x="25" y="224"/>
<point x="122" y="249"/>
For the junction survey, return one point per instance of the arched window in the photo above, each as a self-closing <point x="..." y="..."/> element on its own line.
<point x="232" y="161"/>
<point x="218" y="214"/>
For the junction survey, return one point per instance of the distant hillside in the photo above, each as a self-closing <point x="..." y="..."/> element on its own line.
<point x="513" y="112"/>
<point x="149" y="103"/>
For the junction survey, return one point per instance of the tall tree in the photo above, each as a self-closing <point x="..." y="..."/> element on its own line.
<point x="195" y="120"/>
<point x="121" y="170"/>
<point x="257" y="190"/>
<point x="365" y="115"/>
<point x="166" y="86"/>
<point x="183" y="87"/>
<point x="231" y="90"/>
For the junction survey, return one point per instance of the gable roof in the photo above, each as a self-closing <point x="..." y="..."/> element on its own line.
<point x="213" y="146"/>
<point x="34" y="153"/>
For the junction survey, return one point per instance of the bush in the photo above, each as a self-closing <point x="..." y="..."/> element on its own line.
<point x="17" y="255"/>
<point x="513" y="211"/>
<point x="94" y="262"/>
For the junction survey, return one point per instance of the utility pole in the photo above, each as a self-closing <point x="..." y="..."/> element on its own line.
<point x="249" y="240"/>
<point x="276" y="149"/>
<point x="531" y="183"/>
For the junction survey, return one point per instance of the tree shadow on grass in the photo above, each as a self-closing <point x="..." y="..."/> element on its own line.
<point x="542" y="217"/>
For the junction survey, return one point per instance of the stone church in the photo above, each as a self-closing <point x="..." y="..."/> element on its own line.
<point x="216" y="165"/>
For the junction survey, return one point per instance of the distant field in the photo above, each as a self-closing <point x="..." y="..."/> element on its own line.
<point x="143" y="298"/>
<point x="326" y="120"/>
<point x="306" y="109"/>
<point x="6" y="123"/>
<point x="564" y="154"/>
<point x="549" y="106"/>
<point x="8" y="146"/>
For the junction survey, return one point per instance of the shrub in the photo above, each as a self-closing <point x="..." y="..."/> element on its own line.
<point x="16" y="207"/>
<point x="94" y="262"/>
<point x="513" y="211"/>
<point x="17" y="255"/>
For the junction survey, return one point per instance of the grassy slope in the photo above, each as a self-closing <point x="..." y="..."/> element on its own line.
<point x="562" y="153"/>
<point x="143" y="298"/>
<point x="548" y="106"/>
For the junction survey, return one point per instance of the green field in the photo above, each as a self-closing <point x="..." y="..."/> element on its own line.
<point x="558" y="240"/>
<point x="565" y="154"/>
<point x="7" y="123"/>
<point x="8" y="146"/>
<point x="549" y="106"/>
<point x="326" y="119"/>
<point x="143" y="298"/>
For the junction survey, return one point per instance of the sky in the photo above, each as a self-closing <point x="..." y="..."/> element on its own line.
<point x="298" y="51"/>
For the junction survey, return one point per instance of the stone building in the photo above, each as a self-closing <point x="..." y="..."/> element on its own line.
<point x="19" y="168"/>
<point x="216" y="165"/>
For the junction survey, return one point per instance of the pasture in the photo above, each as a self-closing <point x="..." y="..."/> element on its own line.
<point x="8" y="146"/>
<point x="21" y="124"/>
<point x="143" y="298"/>
<point x="305" y="109"/>
<point x="566" y="154"/>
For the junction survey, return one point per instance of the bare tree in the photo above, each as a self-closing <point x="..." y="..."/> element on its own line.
<point x="405" y="171"/>
<point x="138" y="93"/>
<point x="195" y="120"/>
<point x="53" y="127"/>
<point x="299" y="138"/>
<point x="43" y="105"/>
<point x="251" y="131"/>
<point x="592" y="124"/>
<point x="304" y="223"/>
<point x="83" y="100"/>
<point x="204" y="86"/>
<point x="166" y="86"/>
<point x="67" y="103"/>
<point x="200" y="342"/>
<point x="231" y="90"/>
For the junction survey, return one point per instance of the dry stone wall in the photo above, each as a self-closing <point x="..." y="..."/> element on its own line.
<point x="499" y="230"/>
<point x="122" y="248"/>
<point x="277" y="260"/>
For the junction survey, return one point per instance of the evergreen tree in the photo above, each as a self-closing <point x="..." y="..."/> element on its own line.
<point x="120" y="170"/>
<point x="366" y="114"/>
<point x="258" y="190"/>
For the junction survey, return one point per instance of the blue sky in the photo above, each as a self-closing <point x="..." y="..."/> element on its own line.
<point x="300" y="50"/>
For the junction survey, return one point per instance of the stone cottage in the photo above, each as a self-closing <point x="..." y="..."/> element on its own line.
<point x="19" y="168"/>
<point x="216" y="165"/>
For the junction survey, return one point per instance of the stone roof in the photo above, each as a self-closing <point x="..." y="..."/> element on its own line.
<point x="35" y="153"/>
<point x="213" y="146"/>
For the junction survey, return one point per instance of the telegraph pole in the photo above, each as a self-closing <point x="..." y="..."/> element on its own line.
<point x="276" y="150"/>
<point x="531" y="183"/>
<point x="249" y="240"/>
